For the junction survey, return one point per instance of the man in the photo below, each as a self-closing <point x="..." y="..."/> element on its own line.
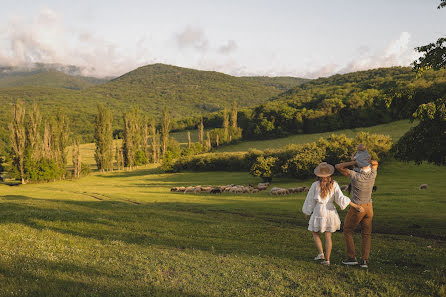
<point x="362" y="185"/>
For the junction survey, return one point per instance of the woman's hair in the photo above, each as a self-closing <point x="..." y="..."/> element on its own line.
<point x="326" y="184"/>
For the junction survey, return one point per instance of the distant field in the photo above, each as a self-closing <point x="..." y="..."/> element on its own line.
<point x="125" y="234"/>
<point x="393" y="129"/>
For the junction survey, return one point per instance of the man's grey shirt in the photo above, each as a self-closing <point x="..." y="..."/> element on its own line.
<point x="362" y="186"/>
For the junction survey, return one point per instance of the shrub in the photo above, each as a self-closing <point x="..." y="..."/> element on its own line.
<point x="234" y="133"/>
<point x="195" y="149"/>
<point x="213" y="162"/>
<point x="426" y="141"/>
<point x="42" y="170"/>
<point x="264" y="167"/>
<point x="140" y="158"/>
<point x="377" y="145"/>
<point x="2" y="162"/>
<point x="292" y="160"/>
<point x="303" y="163"/>
<point x="85" y="169"/>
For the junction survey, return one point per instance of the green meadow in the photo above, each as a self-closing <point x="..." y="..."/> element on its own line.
<point x="393" y="129"/>
<point x="125" y="234"/>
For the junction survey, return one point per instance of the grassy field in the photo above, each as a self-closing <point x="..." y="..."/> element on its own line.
<point x="393" y="129"/>
<point x="126" y="234"/>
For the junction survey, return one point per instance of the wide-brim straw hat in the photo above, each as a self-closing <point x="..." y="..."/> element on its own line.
<point x="324" y="169"/>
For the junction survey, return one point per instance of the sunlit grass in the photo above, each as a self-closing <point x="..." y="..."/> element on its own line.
<point x="126" y="234"/>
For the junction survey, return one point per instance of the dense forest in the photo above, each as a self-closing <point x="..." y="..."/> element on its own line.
<point x="350" y="100"/>
<point x="283" y="83"/>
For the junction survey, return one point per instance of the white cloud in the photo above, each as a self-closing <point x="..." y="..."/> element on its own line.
<point x="46" y="40"/>
<point x="397" y="53"/>
<point x="192" y="38"/>
<point x="228" y="48"/>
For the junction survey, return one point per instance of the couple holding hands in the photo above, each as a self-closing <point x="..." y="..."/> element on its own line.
<point x="324" y="217"/>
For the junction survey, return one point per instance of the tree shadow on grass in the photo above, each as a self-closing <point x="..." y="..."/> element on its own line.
<point x="132" y="173"/>
<point x="30" y="276"/>
<point x="175" y="225"/>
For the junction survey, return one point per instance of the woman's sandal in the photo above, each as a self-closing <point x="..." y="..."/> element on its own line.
<point x="319" y="257"/>
<point x="325" y="263"/>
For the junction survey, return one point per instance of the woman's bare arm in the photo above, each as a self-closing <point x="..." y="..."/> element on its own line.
<point x="358" y="208"/>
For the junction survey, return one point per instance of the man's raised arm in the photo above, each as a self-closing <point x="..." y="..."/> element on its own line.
<point x="342" y="167"/>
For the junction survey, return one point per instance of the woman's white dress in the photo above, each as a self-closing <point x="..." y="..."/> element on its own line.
<point x="324" y="216"/>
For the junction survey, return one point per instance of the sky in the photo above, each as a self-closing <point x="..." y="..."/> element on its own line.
<point x="245" y="37"/>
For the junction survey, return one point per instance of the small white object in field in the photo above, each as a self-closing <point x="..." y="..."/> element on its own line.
<point x="423" y="187"/>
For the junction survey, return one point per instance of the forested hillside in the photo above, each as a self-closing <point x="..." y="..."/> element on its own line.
<point x="283" y="83"/>
<point x="345" y="101"/>
<point x="186" y="91"/>
<point x="183" y="91"/>
<point x="351" y="100"/>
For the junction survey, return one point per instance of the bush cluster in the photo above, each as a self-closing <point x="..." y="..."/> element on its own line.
<point x="293" y="160"/>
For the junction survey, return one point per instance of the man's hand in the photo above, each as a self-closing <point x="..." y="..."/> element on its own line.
<point x="360" y="208"/>
<point x="342" y="167"/>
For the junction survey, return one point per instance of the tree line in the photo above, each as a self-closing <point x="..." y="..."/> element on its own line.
<point x="38" y="148"/>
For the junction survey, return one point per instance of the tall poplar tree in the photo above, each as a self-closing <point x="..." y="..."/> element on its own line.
<point x="208" y="141"/>
<point x="33" y="133"/>
<point x="103" y="138"/>
<point x="46" y="150"/>
<point x="76" y="159"/>
<point x="18" y="138"/>
<point x="189" y="142"/>
<point x="165" y="129"/>
<point x="62" y="128"/>
<point x="225" y="125"/>
<point x="158" y="146"/>
<point x="201" y="131"/>
<point x="234" y="115"/>
<point x="153" y="134"/>
<point x="145" y="137"/>
<point x="128" y="145"/>
<point x="119" y="155"/>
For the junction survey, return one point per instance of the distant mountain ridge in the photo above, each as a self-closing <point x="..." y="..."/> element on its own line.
<point x="45" y="78"/>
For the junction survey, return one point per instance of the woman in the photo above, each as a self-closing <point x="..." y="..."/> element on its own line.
<point x="319" y="204"/>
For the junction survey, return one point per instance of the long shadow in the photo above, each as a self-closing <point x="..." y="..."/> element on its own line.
<point x="132" y="173"/>
<point x="37" y="284"/>
<point x="175" y="225"/>
<point x="223" y="228"/>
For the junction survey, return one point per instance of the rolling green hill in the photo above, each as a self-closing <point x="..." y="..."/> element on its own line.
<point x="47" y="78"/>
<point x="187" y="91"/>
